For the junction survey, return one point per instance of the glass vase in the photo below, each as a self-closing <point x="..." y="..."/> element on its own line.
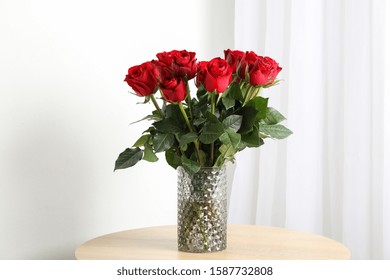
<point x="202" y="210"/>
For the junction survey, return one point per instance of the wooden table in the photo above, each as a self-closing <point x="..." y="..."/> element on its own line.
<point x="243" y="242"/>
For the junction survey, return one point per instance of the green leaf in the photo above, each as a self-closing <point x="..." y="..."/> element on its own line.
<point x="153" y="117"/>
<point x="241" y="146"/>
<point x="260" y="104"/>
<point x="168" y="125"/>
<point x="228" y="102"/>
<point x="201" y="91"/>
<point x="249" y="119"/>
<point x="146" y="100"/>
<point x="212" y="129"/>
<point x="252" y="139"/>
<point x="230" y="138"/>
<point x="273" y="117"/>
<point x="172" y="157"/>
<point x="149" y="154"/>
<point x="276" y="131"/>
<point x="233" y="122"/>
<point x="141" y="141"/>
<point x="235" y="92"/>
<point x="189" y="165"/>
<point x="173" y="111"/>
<point x="273" y="84"/>
<point x="202" y="157"/>
<point x="188" y="138"/>
<point x="227" y="153"/>
<point x="150" y="130"/>
<point x="219" y="161"/>
<point x="199" y="121"/>
<point x="200" y="106"/>
<point x="227" y="150"/>
<point x="163" y="141"/>
<point x="128" y="158"/>
<point x="210" y="133"/>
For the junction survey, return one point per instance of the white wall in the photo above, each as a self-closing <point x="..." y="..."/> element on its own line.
<point x="386" y="106"/>
<point x="65" y="110"/>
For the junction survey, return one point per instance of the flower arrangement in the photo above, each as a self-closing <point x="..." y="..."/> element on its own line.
<point x="225" y="116"/>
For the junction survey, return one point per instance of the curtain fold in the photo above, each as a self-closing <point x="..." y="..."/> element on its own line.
<point x="329" y="177"/>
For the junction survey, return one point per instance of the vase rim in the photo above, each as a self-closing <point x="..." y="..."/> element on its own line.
<point x="207" y="167"/>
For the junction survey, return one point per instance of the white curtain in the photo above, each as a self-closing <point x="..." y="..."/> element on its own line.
<point x="330" y="177"/>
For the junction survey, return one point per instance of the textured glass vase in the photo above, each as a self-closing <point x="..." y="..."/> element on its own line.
<point x="202" y="210"/>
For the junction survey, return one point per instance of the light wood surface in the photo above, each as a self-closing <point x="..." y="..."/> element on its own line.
<point x="244" y="242"/>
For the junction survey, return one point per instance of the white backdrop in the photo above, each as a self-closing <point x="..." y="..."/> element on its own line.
<point x="65" y="113"/>
<point x="331" y="176"/>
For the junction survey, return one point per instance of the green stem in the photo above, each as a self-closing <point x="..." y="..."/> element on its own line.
<point x="255" y="92"/>
<point x="242" y="84"/>
<point x="206" y="242"/>
<point x="194" y="208"/>
<point x="188" y="99"/>
<point x="213" y="102"/>
<point x="183" y="111"/>
<point x="156" y="105"/>
<point x="248" y="95"/>
<point x="212" y="144"/>
<point x="196" y="142"/>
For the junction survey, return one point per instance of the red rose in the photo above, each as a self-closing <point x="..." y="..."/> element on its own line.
<point x="234" y="58"/>
<point x="182" y="63"/>
<point x="201" y="73"/>
<point x="173" y="88"/>
<point x="165" y="58"/>
<point x="217" y="75"/>
<point x="142" y="78"/>
<point x="247" y="63"/>
<point x="251" y="57"/>
<point x="264" y="71"/>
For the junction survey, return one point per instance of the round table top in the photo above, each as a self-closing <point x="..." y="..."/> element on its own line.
<point x="244" y="242"/>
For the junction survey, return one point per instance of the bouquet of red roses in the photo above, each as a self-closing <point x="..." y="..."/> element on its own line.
<point x="226" y="115"/>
